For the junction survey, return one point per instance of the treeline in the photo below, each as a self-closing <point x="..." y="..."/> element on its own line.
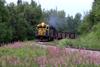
<point x="62" y="23"/>
<point x="17" y="22"/>
<point x="91" y="19"/>
<point x="89" y="30"/>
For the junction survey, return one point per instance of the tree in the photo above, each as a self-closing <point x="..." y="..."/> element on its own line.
<point x="18" y="22"/>
<point x="70" y="23"/>
<point x="95" y="13"/>
<point x="92" y="18"/>
<point x="33" y="3"/>
<point x="19" y="2"/>
<point x="56" y="19"/>
<point x="77" y="22"/>
<point x="5" y="30"/>
<point x="96" y="10"/>
<point x="5" y="33"/>
<point x="3" y="11"/>
<point x="85" y="25"/>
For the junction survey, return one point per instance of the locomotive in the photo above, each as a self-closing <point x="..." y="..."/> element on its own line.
<point x="45" y="32"/>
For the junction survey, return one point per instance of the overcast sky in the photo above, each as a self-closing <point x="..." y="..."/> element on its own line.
<point x="71" y="7"/>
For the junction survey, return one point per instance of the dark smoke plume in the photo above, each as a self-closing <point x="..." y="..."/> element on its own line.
<point x="53" y="20"/>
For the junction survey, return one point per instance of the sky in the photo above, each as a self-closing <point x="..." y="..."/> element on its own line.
<point x="71" y="7"/>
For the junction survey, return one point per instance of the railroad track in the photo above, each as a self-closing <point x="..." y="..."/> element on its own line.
<point x="46" y="43"/>
<point x="53" y="44"/>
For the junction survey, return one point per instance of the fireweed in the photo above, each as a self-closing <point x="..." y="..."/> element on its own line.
<point x="51" y="56"/>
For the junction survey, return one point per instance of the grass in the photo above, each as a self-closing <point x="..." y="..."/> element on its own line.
<point x="27" y="54"/>
<point x="89" y="41"/>
<point x="23" y="55"/>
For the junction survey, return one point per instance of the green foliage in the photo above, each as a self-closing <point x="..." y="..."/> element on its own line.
<point x="18" y="22"/>
<point x="90" y="40"/>
<point x="25" y="55"/>
<point x="87" y="65"/>
<point x="91" y="19"/>
<point x="73" y="23"/>
<point x="5" y="33"/>
<point x="31" y="55"/>
<point x="77" y="22"/>
<point x="85" y="25"/>
<point x="61" y="22"/>
<point x="65" y="43"/>
<point x="22" y="52"/>
<point x="96" y="11"/>
<point x="90" y="28"/>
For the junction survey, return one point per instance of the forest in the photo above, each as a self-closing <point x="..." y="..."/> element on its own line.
<point x="18" y="21"/>
<point x="18" y="47"/>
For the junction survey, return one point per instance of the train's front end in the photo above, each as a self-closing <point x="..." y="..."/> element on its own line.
<point x="42" y="32"/>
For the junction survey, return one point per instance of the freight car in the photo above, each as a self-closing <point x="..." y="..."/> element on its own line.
<point x="45" y="32"/>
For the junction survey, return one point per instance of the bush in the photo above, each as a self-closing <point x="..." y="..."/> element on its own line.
<point x="90" y="40"/>
<point x="65" y="43"/>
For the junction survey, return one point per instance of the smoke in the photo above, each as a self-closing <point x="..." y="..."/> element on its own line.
<point x="56" y="19"/>
<point x="56" y="22"/>
<point x="53" y="20"/>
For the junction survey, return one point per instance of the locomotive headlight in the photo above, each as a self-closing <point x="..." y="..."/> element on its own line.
<point x="42" y="23"/>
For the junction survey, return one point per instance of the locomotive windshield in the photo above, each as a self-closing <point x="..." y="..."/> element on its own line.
<point x="42" y="28"/>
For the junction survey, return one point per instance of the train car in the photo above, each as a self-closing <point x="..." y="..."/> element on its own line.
<point x="48" y="33"/>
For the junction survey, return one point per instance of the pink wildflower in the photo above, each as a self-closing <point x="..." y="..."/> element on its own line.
<point x="41" y="60"/>
<point x="13" y="60"/>
<point x="15" y="45"/>
<point x="53" y="51"/>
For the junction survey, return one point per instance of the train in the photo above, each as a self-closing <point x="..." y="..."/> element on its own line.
<point x="46" y="32"/>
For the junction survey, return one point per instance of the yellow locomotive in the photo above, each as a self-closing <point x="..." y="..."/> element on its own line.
<point x="44" y="32"/>
<point x="42" y="29"/>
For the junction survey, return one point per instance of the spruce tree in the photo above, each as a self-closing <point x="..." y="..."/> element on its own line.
<point x="19" y="2"/>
